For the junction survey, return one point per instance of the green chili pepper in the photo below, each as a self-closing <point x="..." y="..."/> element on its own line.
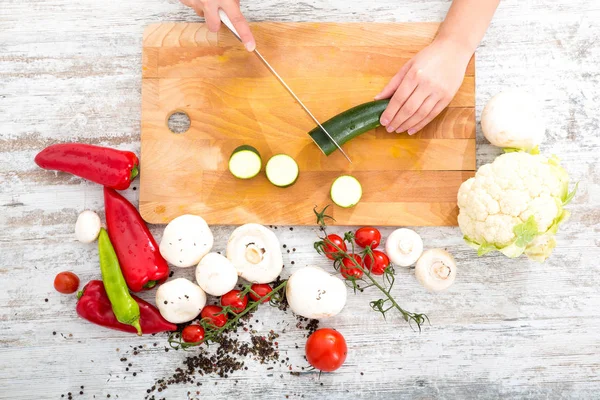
<point x="126" y="309"/>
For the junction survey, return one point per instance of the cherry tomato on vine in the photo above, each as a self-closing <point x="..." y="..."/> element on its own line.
<point x="367" y="236"/>
<point x="329" y="250"/>
<point x="66" y="283"/>
<point x="261" y="290"/>
<point x="326" y="349"/>
<point x="210" y="314"/>
<point x="349" y="268"/>
<point x="192" y="334"/>
<point x="377" y="263"/>
<point x="235" y="301"/>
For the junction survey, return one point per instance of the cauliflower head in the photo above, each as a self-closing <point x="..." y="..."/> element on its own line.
<point x="514" y="205"/>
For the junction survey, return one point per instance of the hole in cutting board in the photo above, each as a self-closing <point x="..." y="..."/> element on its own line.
<point x="178" y="122"/>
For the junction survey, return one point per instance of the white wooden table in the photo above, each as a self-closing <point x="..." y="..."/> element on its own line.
<point x="70" y="71"/>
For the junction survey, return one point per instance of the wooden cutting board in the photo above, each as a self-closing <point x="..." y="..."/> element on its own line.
<point x="232" y="99"/>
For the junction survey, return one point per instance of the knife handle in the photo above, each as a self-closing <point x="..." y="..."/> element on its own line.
<point x="227" y="22"/>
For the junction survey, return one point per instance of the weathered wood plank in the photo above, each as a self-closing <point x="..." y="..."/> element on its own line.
<point x="71" y="70"/>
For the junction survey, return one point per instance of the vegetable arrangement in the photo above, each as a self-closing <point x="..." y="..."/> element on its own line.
<point x="334" y="247"/>
<point x="513" y="205"/>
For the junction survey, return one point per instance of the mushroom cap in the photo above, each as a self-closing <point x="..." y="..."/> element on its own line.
<point x="186" y="240"/>
<point x="87" y="227"/>
<point x="180" y="300"/>
<point x="404" y="247"/>
<point x="216" y="275"/>
<point x="314" y="293"/>
<point x="436" y="270"/>
<point x="255" y="253"/>
<point x="513" y="118"/>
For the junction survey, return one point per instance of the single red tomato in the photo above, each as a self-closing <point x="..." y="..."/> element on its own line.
<point x="349" y="268"/>
<point x="261" y="290"/>
<point x="377" y="263"/>
<point x="193" y="334"/>
<point x="329" y="248"/>
<point x="326" y="349"/>
<point x="235" y="301"/>
<point x="66" y="283"/>
<point x="367" y="236"/>
<point x="210" y="314"/>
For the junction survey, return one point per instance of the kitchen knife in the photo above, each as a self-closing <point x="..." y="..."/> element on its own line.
<point x="227" y="22"/>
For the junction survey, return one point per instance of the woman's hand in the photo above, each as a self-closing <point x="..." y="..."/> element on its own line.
<point x="209" y="9"/>
<point x="424" y="86"/>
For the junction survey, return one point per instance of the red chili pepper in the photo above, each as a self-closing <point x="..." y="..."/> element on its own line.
<point x="108" y="167"/>
<point x="94" y="306"/>
<point x="139" y="256"/>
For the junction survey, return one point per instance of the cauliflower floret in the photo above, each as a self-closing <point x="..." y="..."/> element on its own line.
<point x="516" y="190"/>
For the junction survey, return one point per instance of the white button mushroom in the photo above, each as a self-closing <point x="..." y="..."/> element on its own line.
<point x="186" y="240"/>
<point x="436" y="270"/>
<point x="513" y="118"/>
<point x="255" y="253"/>
<point x="404" y="247"/>
<point x="87" y="227"/>
<point x="180" y="300"/>
<point x="314" y="293"/>
<point x="216" y="275"/>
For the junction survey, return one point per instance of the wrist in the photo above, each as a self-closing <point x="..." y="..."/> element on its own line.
<point x="459" y="46"/>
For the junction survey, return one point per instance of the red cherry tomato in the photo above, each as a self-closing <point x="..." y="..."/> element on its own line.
<point x="367" y="236"/>
<point x="330" y="250"/>
<point x="326" y="349"/>
<point x="210" y="314"/>
<point x="377" y="263"/>
<point x="349" y="268"/>
<point x="261" y="290"/>
<point x="235" y="301"/>
<point x="193" y="334"/>
<point x="66" y="283"/>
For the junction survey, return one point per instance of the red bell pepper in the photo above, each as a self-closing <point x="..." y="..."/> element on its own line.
<point x="108" y="167"/>
<point x="141" y="263"/>
<point x="93" y="305"/>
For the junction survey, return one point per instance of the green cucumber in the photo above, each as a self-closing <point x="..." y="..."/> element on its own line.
<point x="245" y="162"/>
<point x="346" y="191"/>
<point x="349" y="124"/>
<point x="282" y="170"/>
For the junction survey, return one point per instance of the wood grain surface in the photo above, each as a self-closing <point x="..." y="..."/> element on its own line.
<point x="232" y="99"/>
<point x="507" y="329"/>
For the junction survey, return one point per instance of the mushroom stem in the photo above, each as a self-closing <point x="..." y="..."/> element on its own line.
<point x="405" y="246"/>
<point x="441" y="270"/>
<point x="254" y="254"/>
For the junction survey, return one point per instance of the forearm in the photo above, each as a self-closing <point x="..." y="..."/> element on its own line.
<point x="466" y="23"/>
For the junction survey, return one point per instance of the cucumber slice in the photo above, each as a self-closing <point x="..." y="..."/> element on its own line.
<point x="282" y="170"/>
<point x="346" y="191"/>
<point x="245" y="162"/>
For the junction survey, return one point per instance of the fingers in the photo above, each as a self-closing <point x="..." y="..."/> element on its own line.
<point x="232" y="10"/>
<point x="391" y="87"/>
<point x="410" y="106"/>
<point x="439" y="107"/>
<point x="189" y="3"/>
<point x="406" y="88"/>
<point x="420" y="114"/>
<point x="211" y="15"/>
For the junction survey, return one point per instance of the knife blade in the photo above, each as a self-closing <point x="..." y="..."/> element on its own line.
<point x="227" y="22"/>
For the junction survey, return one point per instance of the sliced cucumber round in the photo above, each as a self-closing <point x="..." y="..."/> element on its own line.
<point x="346" y="191"/>
<point x="282" y="170"/>
<point x="245" y="162"/>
